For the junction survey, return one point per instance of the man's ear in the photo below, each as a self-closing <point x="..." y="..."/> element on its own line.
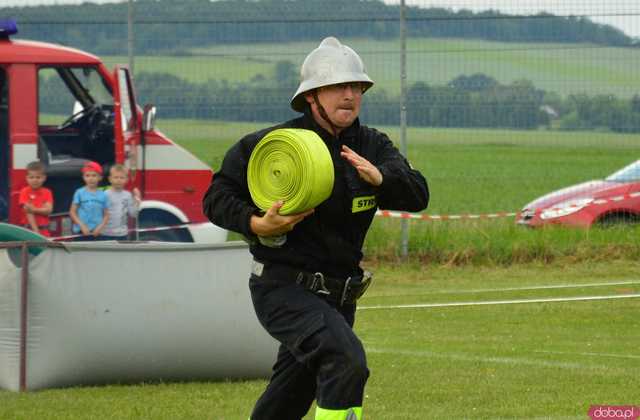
<point x="308" y="96"/>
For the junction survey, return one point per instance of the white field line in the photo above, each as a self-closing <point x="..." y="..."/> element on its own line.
<point x="499" y="302"/>
<point x="543" y="287"/>
<point x="483" y="359"/>
<point x="570" y="353"/>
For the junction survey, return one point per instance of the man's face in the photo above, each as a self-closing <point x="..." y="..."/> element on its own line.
<point x="341" y="102"/>
<point x="35" y="179"/>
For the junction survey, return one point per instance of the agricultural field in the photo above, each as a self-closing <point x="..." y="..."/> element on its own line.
<point x="478" y="172"/>
<point x="489" y="357"/>
<point x="561" y="68"/>
<point x="199" y="69"/>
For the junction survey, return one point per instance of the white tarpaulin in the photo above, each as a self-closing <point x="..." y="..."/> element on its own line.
<point x="112" y="313"/>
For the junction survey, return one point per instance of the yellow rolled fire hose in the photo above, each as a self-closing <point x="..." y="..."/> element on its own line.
<point x="292" y="165"/>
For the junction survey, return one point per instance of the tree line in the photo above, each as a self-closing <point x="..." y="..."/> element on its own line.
<point x="466" y="101"/>
<point x="475" y="100"/>
<point x="170" y="27"/>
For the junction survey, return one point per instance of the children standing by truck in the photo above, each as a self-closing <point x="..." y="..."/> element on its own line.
<point x="110" y="128"/>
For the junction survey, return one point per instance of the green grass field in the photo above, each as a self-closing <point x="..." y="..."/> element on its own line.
<point x="561" y="68"/>
<point x="486" y="360"/>
<point x="198" y="68"/>
<point x="477" y="172"/>
<point x="468" y="170"/>
<point x="548" y="360"/>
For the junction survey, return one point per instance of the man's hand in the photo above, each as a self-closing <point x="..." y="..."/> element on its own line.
<point x="367" y="171"/>
<point x="272" y="223"/>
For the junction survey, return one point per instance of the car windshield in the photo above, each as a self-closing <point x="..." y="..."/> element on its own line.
<point x="626" y="174"/>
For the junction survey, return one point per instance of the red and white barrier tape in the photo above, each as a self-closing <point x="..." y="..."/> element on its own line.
<point x="402" y="215"/>
<point x="380" y="213"/>
<point x="151" y="229"/>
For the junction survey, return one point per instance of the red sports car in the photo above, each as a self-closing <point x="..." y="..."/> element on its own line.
<point x="612" y="200"/>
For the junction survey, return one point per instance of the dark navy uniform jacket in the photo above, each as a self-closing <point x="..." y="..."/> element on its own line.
<point x="329" y="240"/>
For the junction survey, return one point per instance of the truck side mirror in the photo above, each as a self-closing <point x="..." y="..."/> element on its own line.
<point x="149" y="117"/>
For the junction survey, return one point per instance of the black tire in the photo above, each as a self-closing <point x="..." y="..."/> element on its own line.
<point x="618" y="219"/>
<point x="149" y="218"/>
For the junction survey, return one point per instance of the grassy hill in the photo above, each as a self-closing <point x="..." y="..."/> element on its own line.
<point x="562" y="68"/>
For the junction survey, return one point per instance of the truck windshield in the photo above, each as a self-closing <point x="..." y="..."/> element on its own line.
<point x="66" y="91"/>
<point x="93" y="84"/>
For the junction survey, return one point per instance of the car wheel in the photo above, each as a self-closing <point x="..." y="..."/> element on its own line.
<point x="617" y="219"/>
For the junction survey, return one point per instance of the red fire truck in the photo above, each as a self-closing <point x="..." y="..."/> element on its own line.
<point x="63" y="107"/>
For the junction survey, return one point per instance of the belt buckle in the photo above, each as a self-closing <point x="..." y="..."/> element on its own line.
<point x="318" y="280"/>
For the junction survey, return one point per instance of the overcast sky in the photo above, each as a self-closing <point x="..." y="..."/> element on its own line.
<point x="603" y="11"/>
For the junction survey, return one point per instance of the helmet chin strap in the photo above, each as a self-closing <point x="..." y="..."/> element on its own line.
<point x="324" y="115"/>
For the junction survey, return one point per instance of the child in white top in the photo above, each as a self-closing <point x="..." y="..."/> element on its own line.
<point x="122" y="204"/>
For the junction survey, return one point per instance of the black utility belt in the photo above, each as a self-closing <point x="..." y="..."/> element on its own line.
<point x="339" y="290"/>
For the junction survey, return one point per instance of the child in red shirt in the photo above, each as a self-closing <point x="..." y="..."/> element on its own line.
<point x="36" y="201"/>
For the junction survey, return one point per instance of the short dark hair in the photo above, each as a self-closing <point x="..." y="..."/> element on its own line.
<point x="37" y="166"/>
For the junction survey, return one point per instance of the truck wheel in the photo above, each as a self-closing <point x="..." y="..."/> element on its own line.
<point x="149" y="218"/>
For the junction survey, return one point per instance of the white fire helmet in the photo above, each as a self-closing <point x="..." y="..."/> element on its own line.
<point x="329" y="64"/>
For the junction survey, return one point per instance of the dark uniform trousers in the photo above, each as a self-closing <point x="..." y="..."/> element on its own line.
<point x="319" y="356"/>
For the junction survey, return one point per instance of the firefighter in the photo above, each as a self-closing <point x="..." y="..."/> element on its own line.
<point x="304" y="289"/>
